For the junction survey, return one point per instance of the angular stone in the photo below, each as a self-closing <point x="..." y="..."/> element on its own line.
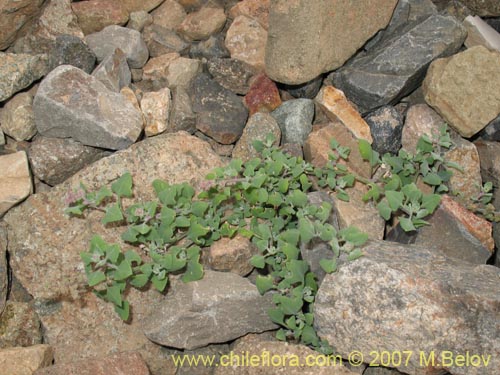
<point x="192" y="5"/>
<point x="19" y="71"/>
<point x="156" y="111"/>
<point x="140" y="5"/>
<point x="307" y="38"/>
<point x="392" y="71"/>
<point x="95" y="15"/>
<point x="161" y="41"/>
<point x="494" y="22"/>
<point x="386" y="126"/>
<point x="4" y="270"/>
<point x="256" y="9"/>
<point x="220" y="113"/>
<point x="337" y="108"/>
<point x="258" y="127"/>
<point x="24" y="361"/>
<point x="211" y="48"/>
<point x="169" y="15"/>
<point x="420" y="120"/>
<point x="126" y="363"/>
<point x="51" y="267"/>
<point x="113" y="71"/>
<point x="17" y="118"/>
<point x="70" y="103"/>
<point x="489" y="157"/>
<point x="307" y="90"/>
<point x="131" y="97"/>
<point x="130" y="41"/>
<point x="263" y="95"/>
<point x="232" y="255"/>
<point x="295" y="120"/>
<point x="220" y="307"/>
<point x="15" y="180"/>
<point x="139" y="20"/>
<point x="54" y="160"/>
<point x="422" y="301"/>
<point x="463" y="89"/>
<point x="182" y="116"/>
<point x="246" y="40"/>
<point x="2" y="138"/>
<point x="479" y="33"/>
<point x="492" y="131"/>
<point x="14" y="14"/>
<point x="201" y="24"/>
<point x="234" y="75"/>
<point x="20" y="326"/>
<point x="484" y="8"/>
<point x="224" y="151"/>
<point x="71" y="50"/>
<point x="170" y="70"/>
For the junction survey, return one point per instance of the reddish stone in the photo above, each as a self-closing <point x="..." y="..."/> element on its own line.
<point x="95" y="15"/>
<point x="263" y="95"/>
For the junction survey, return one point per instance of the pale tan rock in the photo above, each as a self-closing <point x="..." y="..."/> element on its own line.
<point x="17" y="119"/>
<point x="138" y="5"/>
<point x="479" y="33"/>
<point x="203" y="23"/>
<point x="463" y="89"/>
<point x="14" y="14"/>
<point x="25" y="361"/>
<point x="420" y="120"/>
<point x="95" y="15"/>
<point x="246" y="40"/>
<point x="232" y="255"/>
<point x="170" y="70"/>
<point x="169" y="14"/>
<point x="131" y="97"/>
<point x="256" y="9"/>
<point x="337" y="108"/>
<point x="15" y="180"/>
<point x="20" y="325"/>
<point x="139" y="20"/>
<point x="156" y="111"/>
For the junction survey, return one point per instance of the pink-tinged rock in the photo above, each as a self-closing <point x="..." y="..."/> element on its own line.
<point x="14" y="14"/>
<point x="140" y="5"/>
<point x="263" y="95"/>
<point x="25" y="361"/>
<point x="337" y="108"/>
<point x="125" y="363"/>
<point x="256" y="9"/>
<point x="420" y="120"/>
<point x="156" y="111"/>
<point x="246" y="40"/>
<point x="202" y="24"/>
<point x="232" y="255"/>
<point x="20" y="325"/>
<point x="169" y="15"/>
<point x="95" y="15"/>
<point x="15" y="180"/>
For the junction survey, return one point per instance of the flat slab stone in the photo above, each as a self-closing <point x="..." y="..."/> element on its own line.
<point x="15" y="180"/>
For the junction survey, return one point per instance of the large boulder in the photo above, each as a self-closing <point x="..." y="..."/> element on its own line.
<point x="14" y="14"/>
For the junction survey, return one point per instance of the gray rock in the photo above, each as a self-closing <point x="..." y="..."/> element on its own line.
<point x="160" y="41"/>
<point x="387" y="74"/>
<point x="182" y="116"/>
<point x="484" y="8"/>
<point x="139" y="20"/>
<point x="213" y="47"/>
<point x="18" y="71"/>
<point x="494" y="22"/>
<point x="307" y="90"/>
<point x="295" y="119"/>
<point x="104" y="43"/>
<point x="20" y="326"/>
<point x="220" y="112"/>
<point x="71" y="103"/>
<point x="54" y="160"/>
<point x="386" y="126"/>
<point x="71" y="50"/>
<point x="492" y="131"/>
<point x="17" y="118"/>
<point x="421" y="301"/>
<point x="113" y="71"/>
<point x="218" y="308"/>
<point x="234" y="75"/>
<point x="4" y="270"/>
<point x="2" y="138"/>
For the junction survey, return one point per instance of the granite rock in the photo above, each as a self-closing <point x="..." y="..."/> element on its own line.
<point x="140" y="5"/>
<point x="386" y="126"/>
<point x="169" y="14"/>
<point x="295" y="118"/>
<point x="484" y="8"/>
<point x="256" y="9"/>
<point x="17" y="118"/>
<point x="113" y="71"/>
<point x="420" y="120"/>
<point x="24" y="361"/>
<point x="71" y="50"/>
<point x="200" y="25"/>
<point x="232" y="74"/>
<point x="95" y="15"/>
<point x="14" y="14"/>
<point x="156" y="111"/>
<point x="213" y="47"/>
<point x="139" y="20"/>
<point x="20" y="326"/>
<point x="160" y="41"/>
<point x="15" y="180"/>
<point x="170" y="70"/>
<point x="182" y="116"/>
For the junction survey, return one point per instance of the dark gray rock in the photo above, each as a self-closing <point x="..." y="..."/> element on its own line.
<point x="233" y="74"/>
<point x="492" y="131"/>
<point x="391" y="72"/>
<point x="104" y="43"/>
<point x="307" y="90"/>
<point x="113" y="71"/>
<point x="71" y="50"/>
<point x="494" y="22"/>
<point x="72" y="104"/>
<point x="161" y="41"/>
<point x="295" y="120"/>
<point x="213" y="47"/>
<point x="218" y="308"/>
<point x="182" y="116"/>
<point x="220" y="112"/>
<point x="4" y="269"/>
<point x="386" y="127"/>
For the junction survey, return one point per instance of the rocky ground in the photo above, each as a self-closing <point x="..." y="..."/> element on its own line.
<point x="171" y="89"/>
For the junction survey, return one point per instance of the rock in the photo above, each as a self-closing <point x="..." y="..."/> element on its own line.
<point x="200" y="25"/>
<point x="211" y="48"/>
<point x="467" y="98"/>
<point x="484" y="8"/>
<point x="307" y="90"/>
<point x="2" y="138"/>
<point x="20" y="326"/>
<point x="420" y="120"/>
<point x="95" y="15"/>
<point x="140" y="5"/>
<point x="337" y="108"/>
<point x="232" y="255"/>
<point x="161" y="41"/>
<point x="255" y="9"/>
<point x="131" y="97"/>
<point x="54" y="160"/>
<point x="182" y="116"/>
<point x="422" y="301"/>
<point x="4" y="270"/>
<point x="489" y="157"/>
<point x="386" y="126"/>
<point x="129" y="41"/>
<point x="170" y="70"/>
<point x="71" y="50"/>
<point x="224" y="151"/>
<point x="125" y="363"/>
<point x="246" y="41"/>
<point x="25" y="361"/>
<point x="113" y="71"/>
<point x="220" y="307"/>
<point x="492" y="131"/>
<point x="234" y="75"/>
<point x="263" y="95"/>
<point x="19" y="71"/>
<point x="258" y="127"/>
<point x="390" y="72"/>
<point x="95" y="117"/>
<point x="51" y="268"/>
<point x="17" y="118"/>
<point x="215" y="351"/>
<point x="479" y="33"/>
<point x="220" y="113"/>
<point x="14" y="14"/>
<point x="295" y="120"/>
<point x="494" y="22"/>
<point x="139" y="20"/>
<point x="169" y="15"/>
<point x="156" y="111"/>
<point x="307" y="38"/>
<point x="192" y="5"/>
<point x="15" y="180"/>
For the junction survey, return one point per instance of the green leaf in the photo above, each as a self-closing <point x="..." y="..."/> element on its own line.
<point x="102" y="194"/>
<point x="113" y="214"/>
<point x="199" y="208"/>
<point x="114" y="295"/>
<point x="130" y="235"/>
<point x="290" y="306"/>
<point x="194" y="270"/>
<point x="281" y="335"/>
<point x="328" y="265"/>
<point x="406" y="224"/>
<point x="96" y="277"/>
<point x="258" y="261"/>
<point x="306" y="230"/>
<point x="123" y="311"/>
<point x="433" y="179"/>
<point x="365" y="149"/>
<point x="132" y="256"/>
<point x="430" y="202"/>
<point x="142" y="228"/>
<point x="342" y="195"/>
<point x="139" y="281"/>
<point x="384" y="210"/>
<point x="159" y="283"/>
<point x="264" y="283"/>
<point x="309" y="336"/>
<point x="123" y="271"/>
<point x="97" y="244"/>
<point x="276" y="316"/>
<point x="182" y="222"/>
<point x="75" y="210"/>
<point x="123" y="186"/>
<point x="283" y="185"/>
<point x="291" y="236"/>
<point x="395" y="199"/>
<point x="113" y="252"/>
<point x="355" y="254"/>
<point x="354" y="235"/>
<point x="298" y="198"/>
